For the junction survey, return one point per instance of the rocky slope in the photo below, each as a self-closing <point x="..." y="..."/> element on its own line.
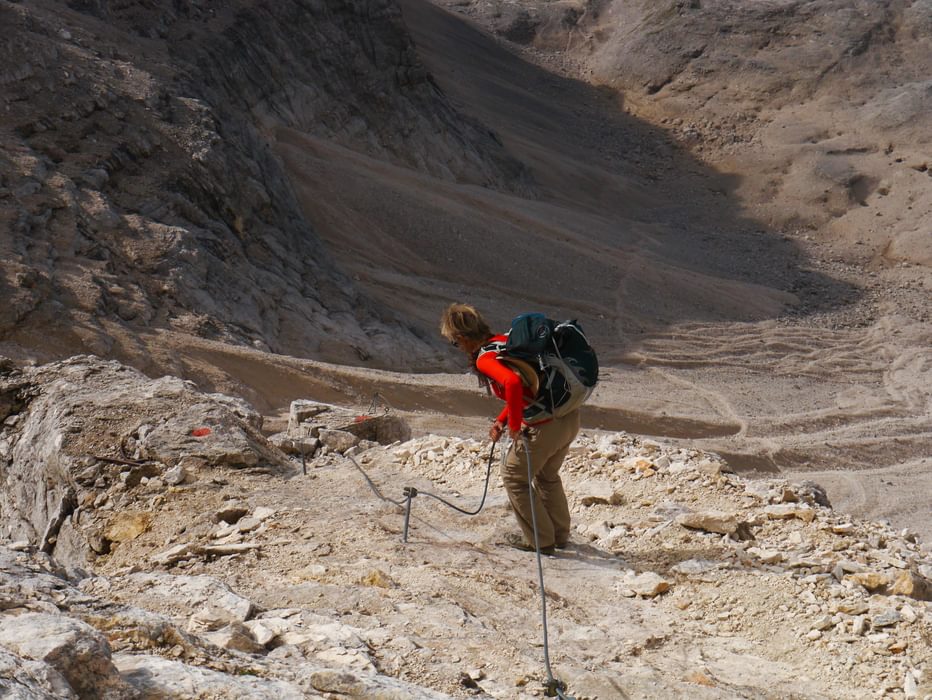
<point x="138" y="188"/>
<point x="263" y="575"/>
<point x="822" y="107"/>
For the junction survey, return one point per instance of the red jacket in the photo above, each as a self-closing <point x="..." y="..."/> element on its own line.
<point x="506" y="384"/>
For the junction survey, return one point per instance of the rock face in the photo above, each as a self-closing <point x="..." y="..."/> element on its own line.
<point x="57" y="641"/>
<point x="84" y="444"/>
<point x="138" y="185"/>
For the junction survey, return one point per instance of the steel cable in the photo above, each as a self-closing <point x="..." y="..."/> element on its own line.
<point x="554" y="687"/>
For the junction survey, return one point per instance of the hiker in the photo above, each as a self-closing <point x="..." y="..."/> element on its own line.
<point x="549" y="439"/>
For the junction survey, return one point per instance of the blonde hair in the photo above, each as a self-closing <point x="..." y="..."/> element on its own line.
<point x="463" y="321"/>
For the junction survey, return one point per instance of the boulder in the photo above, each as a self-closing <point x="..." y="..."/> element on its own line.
<point x="718" y="522"/>
<point x="594" y="492"/>
<point x="304" y="409"/>
<point x="235" y="636"/>
<point x="384" y="430"/>
<point x="210" y="604"/>
<point x="710" y="521"/>
<point x="873" y="581"/>
<point x="74" y="649"/>
<point x="788" y="511"/>
<point x="75" y="423"/>
<point x="913" y="585"/>
<point x="648" y="584"/>
<point x="25" y="679"/>
<point x="338" y="440"/>
<point x="157" y="677"/>
<point x="230" y="512"/>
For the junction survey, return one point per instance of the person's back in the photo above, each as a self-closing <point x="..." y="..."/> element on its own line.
<point x="537" y="450"/>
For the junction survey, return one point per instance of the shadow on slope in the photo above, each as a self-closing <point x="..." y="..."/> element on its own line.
<point x="630" y="233"/>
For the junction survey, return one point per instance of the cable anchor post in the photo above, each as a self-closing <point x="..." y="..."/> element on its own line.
<point x="554" y="688"/>
<point x="410" y="492"/>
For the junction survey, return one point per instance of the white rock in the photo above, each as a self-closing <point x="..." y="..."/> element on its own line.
<point x="767" y="556"/>
<point x="595" y="492"/>
<point x="235" y="636"/>
<point x="263" y="513"/>
<point x="73" y="648"/>
<point x="910" y="685"/>
<point x="248" y="524"/>
<point x="209" y="602"/>
<point x="648" y="584"/>
<point x="175" y="476"/>
<point x="692" y="567"/>
<point x="710" y="521"/>
<point x="156" y="677"/>
<point x="338" y="440"/>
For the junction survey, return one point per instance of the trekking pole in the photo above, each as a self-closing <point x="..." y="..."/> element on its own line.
<point x="553" y="687"/>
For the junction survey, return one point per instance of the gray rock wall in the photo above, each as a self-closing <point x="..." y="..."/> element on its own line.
<point x="138" y="186"/>
<point x="84" y="440"/>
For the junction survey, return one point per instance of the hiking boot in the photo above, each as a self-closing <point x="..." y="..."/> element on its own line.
<point x="517" y="541"/>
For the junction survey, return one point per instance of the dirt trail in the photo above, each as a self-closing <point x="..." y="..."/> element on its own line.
<point x="758" y="343"/>
<point x="765" y="413"/>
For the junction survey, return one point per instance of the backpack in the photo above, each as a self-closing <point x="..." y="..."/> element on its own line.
<point x="559" y="354"/>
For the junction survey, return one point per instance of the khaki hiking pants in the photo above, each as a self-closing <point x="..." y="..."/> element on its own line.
<point x="549" y="445"/>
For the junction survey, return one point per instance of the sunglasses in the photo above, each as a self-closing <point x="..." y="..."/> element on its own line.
<point x="455" y="343"/>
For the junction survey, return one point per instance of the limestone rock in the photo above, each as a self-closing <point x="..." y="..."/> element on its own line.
<point x="209" y="603"/>
<point x="235" y="636"/>
<point x="871" y="580"/>
<point x="912" y="585"/>
<point x="124" y="527"/>
<point x="175" y="476"/>
<point x="359" y="686"/>
<point x="710" y="467"/>
<point x="231" y="512"/>
<point x="85" y="406"/>
<point x="74" y="649"/>
<point x="302" y="446"/>
<point x="648" y="584"/>
<point x="694" y="567"/>
<point x="767" y="556"/>
<point x="157" y="677"/>
<point x="338" y="440"/>
<point x="239" y="408"/>
<point x="24" y="679"/>
<point x="207" y="431"/>
<point x="304" y="409"/>
<point x="887" y="618"/>
<point x="263" y="513"/>
<point x="811" y="493"/>
<point x="710" y="521"/>
<point x="594" y="492"/>
<point x="788" y="511"/>
<point x="383" y="430"/>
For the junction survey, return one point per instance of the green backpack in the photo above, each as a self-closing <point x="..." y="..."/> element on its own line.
<point x="560" y="354"/>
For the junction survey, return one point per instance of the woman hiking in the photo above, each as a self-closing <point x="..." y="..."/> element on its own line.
<point x="548" y="440"/>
